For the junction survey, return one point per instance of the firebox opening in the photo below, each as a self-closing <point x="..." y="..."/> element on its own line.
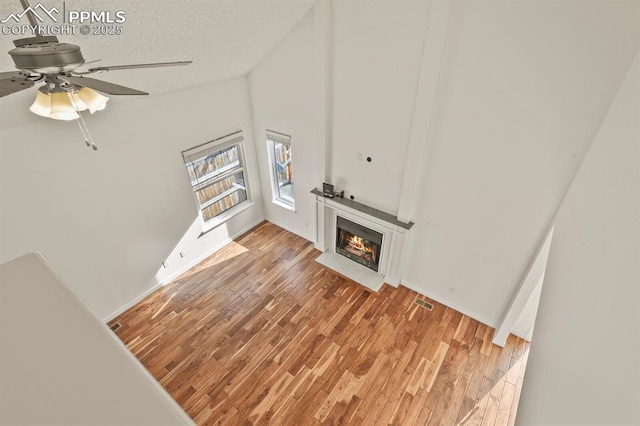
<point x="358" y="243"/>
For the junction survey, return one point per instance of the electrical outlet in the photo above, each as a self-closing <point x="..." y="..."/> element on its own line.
<point x="165" y="264"/>
<point x="182" y="254"/>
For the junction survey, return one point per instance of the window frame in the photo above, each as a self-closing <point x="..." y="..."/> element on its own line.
<point x="272" y="138"/>
<point x="205" y="150"/>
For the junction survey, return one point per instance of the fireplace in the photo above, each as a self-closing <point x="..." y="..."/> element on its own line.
<point x="358" y="243"/>
<point x="371" y="259"/>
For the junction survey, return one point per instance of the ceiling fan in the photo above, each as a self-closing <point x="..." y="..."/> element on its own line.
<point x="66" y="91"/>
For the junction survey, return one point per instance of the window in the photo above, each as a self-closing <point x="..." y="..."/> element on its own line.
<point x="280" y="157"/>
<point x="218" y="177"/>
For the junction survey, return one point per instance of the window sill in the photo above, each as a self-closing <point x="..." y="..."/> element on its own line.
<point x="224" y="217"/>
<point x="284" y="205"/>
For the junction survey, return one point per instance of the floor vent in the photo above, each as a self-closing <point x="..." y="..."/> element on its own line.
<point x="115" y="326"/>
<point x="428" y="306"/>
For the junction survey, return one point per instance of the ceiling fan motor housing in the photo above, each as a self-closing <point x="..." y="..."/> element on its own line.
<point x="46" y="57"/>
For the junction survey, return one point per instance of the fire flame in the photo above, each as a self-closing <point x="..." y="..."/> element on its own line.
<point x="358" y="244"/>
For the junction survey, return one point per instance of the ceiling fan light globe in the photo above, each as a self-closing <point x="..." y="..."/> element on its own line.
<point x="78" y="104"/>
<point x="42" y="104"/>
<point x="94" y="100"/>
<point x="62" y="108"/>
<point x="65" y="116"/>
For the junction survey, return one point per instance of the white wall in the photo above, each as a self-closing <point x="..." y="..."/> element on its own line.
<point x="58" y="354"/>
<point x="283" y="94"/>
<point x="377" y="48"/>
<point x="108" y="219"/>
<point x="526" y="85"/>
<point x="375" y="58"/>
<point x="584" y="363"/>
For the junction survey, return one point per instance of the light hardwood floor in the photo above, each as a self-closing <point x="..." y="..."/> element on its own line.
<point x="259" y="333"/>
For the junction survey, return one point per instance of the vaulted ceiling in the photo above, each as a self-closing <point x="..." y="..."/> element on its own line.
<point x="223" y="38"/>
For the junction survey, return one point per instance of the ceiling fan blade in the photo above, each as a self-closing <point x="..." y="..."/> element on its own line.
<point x="93" y="61"/>
<point x="12" y="82"/>
<point x="137" y="66"/>
<point x="10" y="74"/>
<point x="102" y="86"/>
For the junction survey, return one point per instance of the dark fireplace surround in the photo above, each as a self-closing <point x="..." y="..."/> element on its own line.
<point x="358" y="243"/>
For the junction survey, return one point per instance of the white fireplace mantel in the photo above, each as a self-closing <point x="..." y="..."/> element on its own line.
<point x="394" y="242"/>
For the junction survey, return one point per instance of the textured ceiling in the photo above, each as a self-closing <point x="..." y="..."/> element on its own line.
<point x="223" y="38"/>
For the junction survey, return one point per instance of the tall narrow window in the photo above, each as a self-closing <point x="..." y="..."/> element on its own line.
<point x="281" y="159"/>
<point x="218" y="177"/>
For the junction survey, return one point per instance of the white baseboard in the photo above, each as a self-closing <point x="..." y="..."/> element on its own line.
<point x="449" y="304"/>
<point x="132" y="303"/>
<point x="181" y="271"/>
<point x="392" y="281"/>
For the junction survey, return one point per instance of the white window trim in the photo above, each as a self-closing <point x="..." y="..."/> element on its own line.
<point x="273" y="136"/>
<point x="220" y="144"/>
<point x="284" y="205"/>
<point x="214" y="222"/>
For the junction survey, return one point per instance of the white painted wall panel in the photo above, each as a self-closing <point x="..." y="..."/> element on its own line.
<point x="61" y="365"/>
<point x="584" y="363"/>
<point x="376" y="63"/>
<point x="283" y="99"/>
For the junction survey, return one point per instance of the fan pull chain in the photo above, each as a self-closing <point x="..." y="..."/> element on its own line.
<point x="83" y="126"/>
<point x="85" y="132"/>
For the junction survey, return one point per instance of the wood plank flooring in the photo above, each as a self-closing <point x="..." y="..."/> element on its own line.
<point x="259" y="333"/>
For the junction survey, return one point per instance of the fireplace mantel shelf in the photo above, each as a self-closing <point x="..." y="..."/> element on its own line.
<point x="379" y="214"/>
